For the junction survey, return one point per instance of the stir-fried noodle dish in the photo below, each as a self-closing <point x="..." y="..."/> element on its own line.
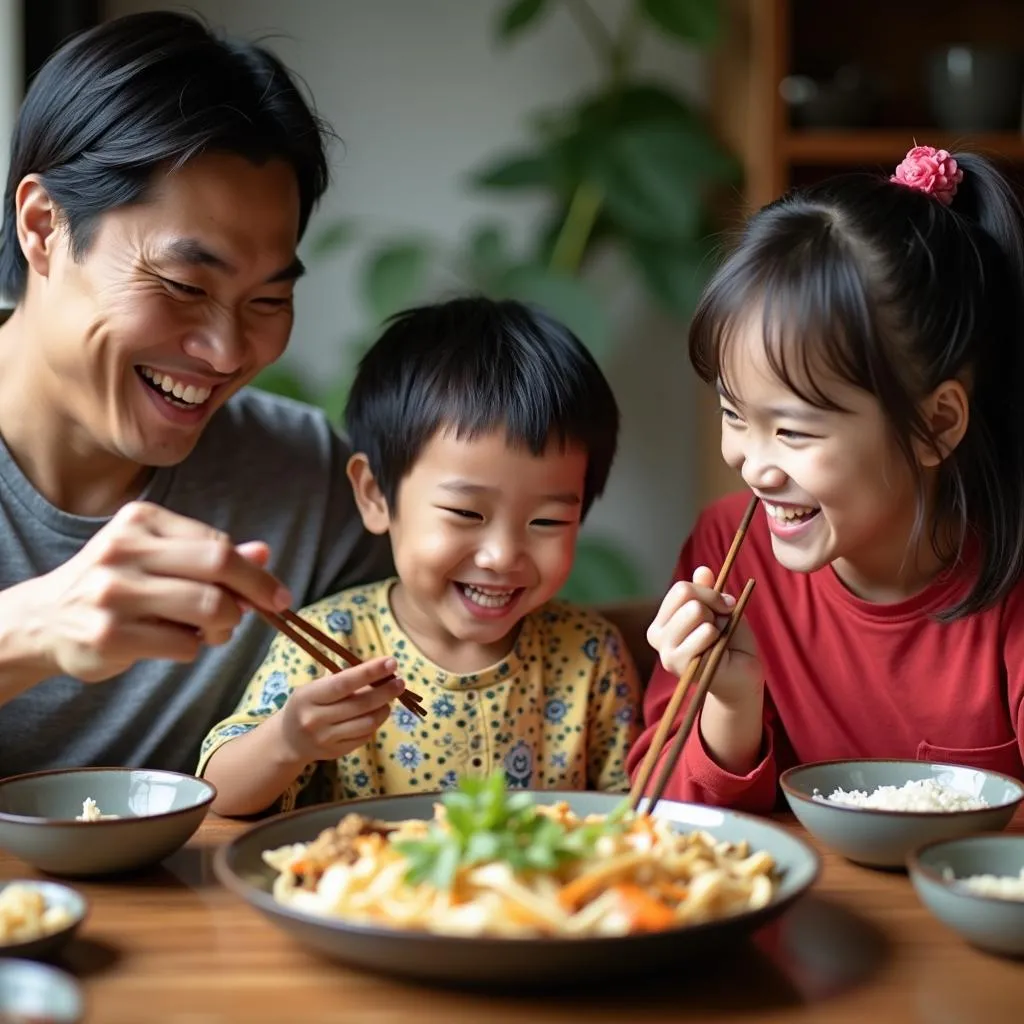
<point x="499" y="864"/>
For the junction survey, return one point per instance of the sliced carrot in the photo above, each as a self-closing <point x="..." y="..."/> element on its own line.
<point x="673" y="891"/>
<point x="646" y="913"/>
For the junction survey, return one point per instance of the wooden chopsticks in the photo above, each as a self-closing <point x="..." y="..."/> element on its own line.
<point x="710" y="663"/>
<point x="288" y="623"/>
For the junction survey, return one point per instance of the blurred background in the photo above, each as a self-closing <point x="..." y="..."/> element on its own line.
<point x="592" y="156"/>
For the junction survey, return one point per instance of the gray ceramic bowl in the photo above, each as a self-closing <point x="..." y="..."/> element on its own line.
<point x="54" y="895"/>
<point x="989" y="922"/>
<point x="516" y="962"/>
<point x="159" y="811"/>
<point x="885" y="838"/>
<point x="38" y="992"/>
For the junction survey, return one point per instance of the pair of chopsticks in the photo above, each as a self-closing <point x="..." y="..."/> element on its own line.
<point x="288" y="623"/>
<point x="710" y="662"/>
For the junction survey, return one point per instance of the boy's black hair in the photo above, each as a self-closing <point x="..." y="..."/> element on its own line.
<point x="477" y="365"/>
<point x="885" y="287"/>
<point x="144" y="92"/>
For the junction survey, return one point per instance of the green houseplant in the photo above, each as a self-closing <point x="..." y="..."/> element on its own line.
<point x="629" y="166"/>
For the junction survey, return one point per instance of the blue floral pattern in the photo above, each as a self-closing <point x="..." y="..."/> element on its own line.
<point x="339" y="622"/>
<point x="519" y="766"/>
<point x="409" y="756"/>
<point x="275" y="691"/>
<point x="404" y="719"/>
<point x="555" y="711"/>
<point x="443" y="707"/>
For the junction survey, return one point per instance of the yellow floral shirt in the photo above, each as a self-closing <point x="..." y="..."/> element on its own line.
<point x="560" y="712"/>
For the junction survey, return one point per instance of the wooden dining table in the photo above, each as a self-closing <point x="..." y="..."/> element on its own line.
<point x="172" y="946"/>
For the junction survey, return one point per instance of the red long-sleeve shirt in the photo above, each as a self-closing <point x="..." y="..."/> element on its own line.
<point x="846" y="678"/>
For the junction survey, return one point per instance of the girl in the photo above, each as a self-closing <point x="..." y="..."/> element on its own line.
<point x="866" y="340"/>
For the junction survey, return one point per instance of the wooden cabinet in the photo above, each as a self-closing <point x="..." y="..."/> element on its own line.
<point x="890" y="42"/>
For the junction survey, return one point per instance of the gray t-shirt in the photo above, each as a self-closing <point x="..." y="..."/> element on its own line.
<point x="265" y="468"/>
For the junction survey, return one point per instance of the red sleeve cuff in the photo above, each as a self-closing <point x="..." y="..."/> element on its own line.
<point x="705" y="781"/>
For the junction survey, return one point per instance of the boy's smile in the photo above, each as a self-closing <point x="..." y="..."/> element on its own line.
<point x="483" y="534"/>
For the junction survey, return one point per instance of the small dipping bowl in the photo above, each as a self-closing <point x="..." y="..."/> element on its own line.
<point x="54" y="896"/>
<point x="992" y="923"/>
<point x="38" y="993"/>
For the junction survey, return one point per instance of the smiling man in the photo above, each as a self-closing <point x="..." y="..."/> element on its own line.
<point x="160" y="181"/>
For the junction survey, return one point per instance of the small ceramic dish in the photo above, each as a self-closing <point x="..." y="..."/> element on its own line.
<point x="156" y="813"/>
<point x="884" y="838"/>
<point x="36" y="993"/>
<point x="71" y="907"/>
<point x="938" y="872"/>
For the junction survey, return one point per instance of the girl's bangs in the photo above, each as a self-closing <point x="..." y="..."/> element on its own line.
<point x="815" y="323"/>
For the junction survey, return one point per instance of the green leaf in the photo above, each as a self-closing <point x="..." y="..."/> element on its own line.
<point x="536" y="169"/>
<point x="563" y="296"/>
<point x="517" y="16"/>
<point x="332" y="238"/>
<point x="394" y="277"/>
<point x="482" y="847"/>
<point x="654" y="177"/>
<point x="601" y="571"/>
<point x="487" y="255"/>
<point x="486" y="823"/>
<point x="445" y="866"/>
<point x="641" y="102"/>
<point x="279" y="379"/>
<point x="674" y="274"/>
<point x="694" y="21"/>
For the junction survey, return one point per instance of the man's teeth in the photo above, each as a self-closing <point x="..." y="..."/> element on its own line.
<point x="488" y="598"/>
<point x="787" y="513"/>
<point x="187" y="393"/>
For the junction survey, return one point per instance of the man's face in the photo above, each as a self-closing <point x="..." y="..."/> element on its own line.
<point x="177" y="303"/>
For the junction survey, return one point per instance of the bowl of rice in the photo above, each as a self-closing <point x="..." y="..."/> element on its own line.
<point x="79" y="822"/>
<point x="975" y="885"/>
<point x="877" y="812"/>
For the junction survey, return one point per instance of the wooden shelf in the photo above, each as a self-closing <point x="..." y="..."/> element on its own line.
<point x="835" y="148"/>
<point x="768" y="40"/>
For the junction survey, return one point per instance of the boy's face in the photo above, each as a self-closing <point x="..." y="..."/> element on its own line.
<point x="483" y="534"/>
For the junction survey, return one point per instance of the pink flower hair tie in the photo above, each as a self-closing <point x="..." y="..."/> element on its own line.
<point x="929" y="170"/>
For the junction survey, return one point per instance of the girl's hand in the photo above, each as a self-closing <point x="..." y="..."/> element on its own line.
<point x="330" y="717"/>
<point x="688" y="623"/>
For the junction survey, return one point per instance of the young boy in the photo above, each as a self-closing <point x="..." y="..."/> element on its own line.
<point x="483" y="431"/>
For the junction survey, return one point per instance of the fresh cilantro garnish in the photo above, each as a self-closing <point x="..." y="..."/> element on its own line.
<point x="487" y="823"/>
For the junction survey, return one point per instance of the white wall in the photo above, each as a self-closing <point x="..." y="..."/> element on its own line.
<point x="420" y="95"/>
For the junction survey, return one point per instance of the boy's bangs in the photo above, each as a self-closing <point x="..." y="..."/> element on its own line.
<point x="814" y="320"/>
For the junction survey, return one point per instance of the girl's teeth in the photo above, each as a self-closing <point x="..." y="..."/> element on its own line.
<point x="487" y="598"/>
<point x="787" y="513"/>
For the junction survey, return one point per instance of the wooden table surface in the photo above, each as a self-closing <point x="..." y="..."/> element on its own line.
<point x="171" y="946"/>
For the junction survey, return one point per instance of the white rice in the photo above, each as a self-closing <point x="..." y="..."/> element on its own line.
<point x="1004" y="887"/>
<point x="920" y="795"/>
<point x="91" y="812"/>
